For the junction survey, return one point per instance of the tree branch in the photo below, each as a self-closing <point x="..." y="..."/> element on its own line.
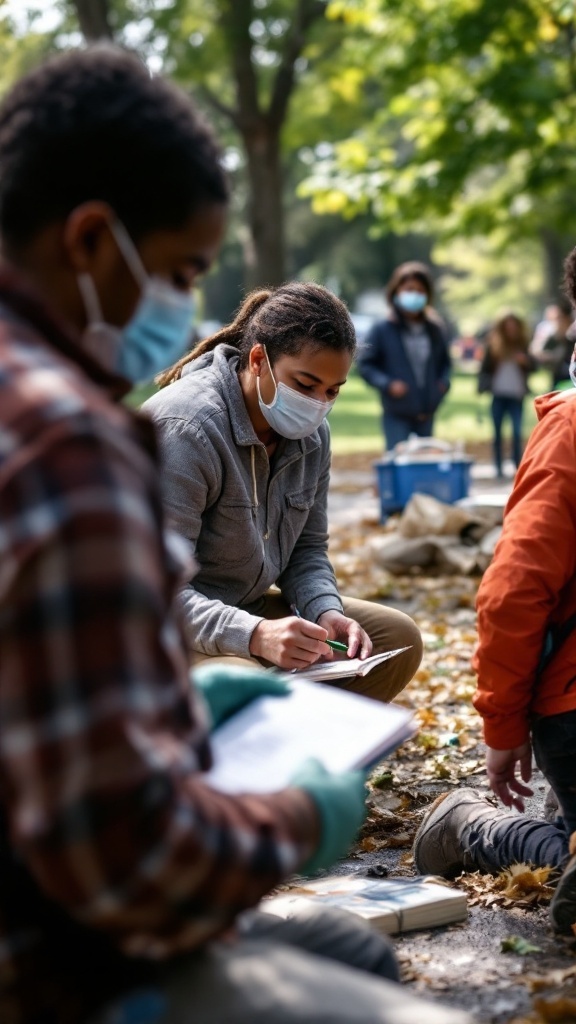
<point x="307" y="12"/>
<point x="222" y="108"/>
<point x="94" y="19"/>
<point x="237" y="16"/>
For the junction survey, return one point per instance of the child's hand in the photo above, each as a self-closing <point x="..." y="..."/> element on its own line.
<point x="501" y="768"/>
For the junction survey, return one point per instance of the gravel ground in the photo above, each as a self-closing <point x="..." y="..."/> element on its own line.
<point x="463" y="965"/>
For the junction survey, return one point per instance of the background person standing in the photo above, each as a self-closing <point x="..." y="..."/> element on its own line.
<point x="556" y="352"/>
<point x="406" y="357"/>
<point x="504" y="373"/>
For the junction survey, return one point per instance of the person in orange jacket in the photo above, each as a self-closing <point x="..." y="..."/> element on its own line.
<point x="526" y="667"/>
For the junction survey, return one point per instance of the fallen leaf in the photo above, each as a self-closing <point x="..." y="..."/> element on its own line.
<point x="519" y="879"/>
<point x="516" y="944"/>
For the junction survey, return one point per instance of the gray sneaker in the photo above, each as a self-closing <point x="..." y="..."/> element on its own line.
<point x="563" y="905"/>
<point x="441" y="846"/>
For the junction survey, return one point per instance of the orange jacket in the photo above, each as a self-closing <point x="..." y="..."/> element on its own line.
<point x="531" y="584"/>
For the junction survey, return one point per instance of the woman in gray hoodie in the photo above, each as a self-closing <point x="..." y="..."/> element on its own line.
<point x="246" y="460"/>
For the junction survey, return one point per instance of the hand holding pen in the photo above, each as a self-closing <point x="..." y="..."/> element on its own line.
<point x="335" y="645"/>
<point x="291" y="642"/>
<point x="347" y="629"/>
<point x="354" y="641"/>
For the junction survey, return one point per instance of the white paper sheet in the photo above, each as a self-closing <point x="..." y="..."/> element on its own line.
<point x="259" y="749"/>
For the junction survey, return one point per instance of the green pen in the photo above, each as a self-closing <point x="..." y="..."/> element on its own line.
<point x="334" y="644"/>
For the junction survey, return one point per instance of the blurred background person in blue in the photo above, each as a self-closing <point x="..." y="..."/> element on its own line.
<point x="504" y="373"/>
<point x="405" y="356"/>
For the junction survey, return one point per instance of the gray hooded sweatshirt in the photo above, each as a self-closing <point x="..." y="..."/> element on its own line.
<point x="250" y="525"/>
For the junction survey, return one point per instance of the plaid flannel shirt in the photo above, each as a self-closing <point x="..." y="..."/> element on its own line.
<point x="112" y="848"/>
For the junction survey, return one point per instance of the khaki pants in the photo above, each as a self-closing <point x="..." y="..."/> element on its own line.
<point x="324" y="968"/>
<point x="387" y="629"/>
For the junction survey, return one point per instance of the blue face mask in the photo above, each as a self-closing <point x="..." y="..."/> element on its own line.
<point x="410" y="301"/>
<point x="159" y="330"/>
<point x="158" y="333"/>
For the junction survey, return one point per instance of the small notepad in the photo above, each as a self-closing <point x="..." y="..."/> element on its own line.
<point x="345" y="668"/>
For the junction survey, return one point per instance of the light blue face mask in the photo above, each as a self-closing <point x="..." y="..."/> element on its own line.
<point x="158" y="332"/>
<point x="289" y="413"/>
<point x="410" y="301"/>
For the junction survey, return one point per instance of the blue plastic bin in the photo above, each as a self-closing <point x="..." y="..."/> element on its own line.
<point x="444" y="475"/>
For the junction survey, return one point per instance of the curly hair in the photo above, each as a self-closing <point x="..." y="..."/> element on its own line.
<point x="284" y="319"/>
<point x="95" y="124"/>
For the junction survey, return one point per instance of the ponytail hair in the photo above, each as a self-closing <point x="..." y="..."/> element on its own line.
<point x="284" y="320"/>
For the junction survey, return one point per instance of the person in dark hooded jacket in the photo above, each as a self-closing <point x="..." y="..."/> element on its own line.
<point x="406" y="357"/>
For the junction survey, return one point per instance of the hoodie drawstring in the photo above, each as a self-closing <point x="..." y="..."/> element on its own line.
<point x="254" y="484"/>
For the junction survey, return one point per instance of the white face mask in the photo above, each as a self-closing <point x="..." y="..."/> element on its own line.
<point x="291" y="414"/>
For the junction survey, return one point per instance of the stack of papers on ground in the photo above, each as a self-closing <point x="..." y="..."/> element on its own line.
<point x="391" y="905"/>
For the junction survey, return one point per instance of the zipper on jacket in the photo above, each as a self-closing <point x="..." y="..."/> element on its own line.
<point x="256" y="503"/>
<point x="273" y="480"/>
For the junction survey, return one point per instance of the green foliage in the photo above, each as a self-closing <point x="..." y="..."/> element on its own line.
<point x="483" y="278"/>
<point x="473" y="132"/>
<point x="435" y="119"/>
<point x="22" y="45"/>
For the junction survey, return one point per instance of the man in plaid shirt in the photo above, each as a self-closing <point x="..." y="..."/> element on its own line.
<point x="122" y="873"/>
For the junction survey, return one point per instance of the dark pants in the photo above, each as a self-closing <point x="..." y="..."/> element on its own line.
<point x="502" y="407"/>
<point x="399" y="428"/>
<point x="509" y="837"/>
<point x="321" y="966"/>
<point x="554" y="744"/>
<point x="386" y="627"/>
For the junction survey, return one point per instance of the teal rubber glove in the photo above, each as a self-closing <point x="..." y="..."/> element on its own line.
<point x="226" y="689"/>
<point x="341" y="802"/>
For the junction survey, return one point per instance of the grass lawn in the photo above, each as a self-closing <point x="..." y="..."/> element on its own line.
<point x="463" y="416"/>
<point x="355" y="419"/>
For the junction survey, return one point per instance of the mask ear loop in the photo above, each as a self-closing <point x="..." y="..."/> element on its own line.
<point x="100" y="340"/>
<point x="90" y="299"/>
<point x="130" y="253"/>
<point x="268" y="405"/>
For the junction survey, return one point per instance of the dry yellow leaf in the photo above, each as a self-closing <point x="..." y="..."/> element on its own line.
<point x="422" y="675"/>
<point x="519" y="879"/>
<point x="562" y="1010"/>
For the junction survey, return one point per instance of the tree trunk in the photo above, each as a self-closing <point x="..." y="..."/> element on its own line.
<point x="94" y="19"/>
<point x="260" y="127"/>
<point x="265" y="258"/>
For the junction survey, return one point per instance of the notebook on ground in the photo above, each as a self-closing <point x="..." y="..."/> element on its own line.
<point x="392" y="905"/>
<point x="259" y="749"/>
<point x="344" y="668"/>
